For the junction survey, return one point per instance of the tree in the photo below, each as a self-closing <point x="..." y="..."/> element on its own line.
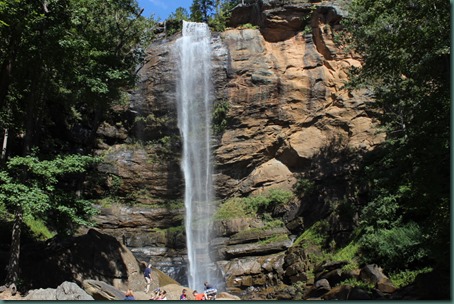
<point x="180" y="14"/>
<point x="406" y="50"/>
<point x="62" y="65"/>
<point x="223" y="12"/>
<point x="174" y="21"/>
<point x="201" y="10"/>
<point x="30" y="187"/>
<point x="83" y="55"/>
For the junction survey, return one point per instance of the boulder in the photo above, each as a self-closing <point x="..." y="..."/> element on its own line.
<point x="66" y="291"/>
<point x="385" y="285"/>
<point x="41" y="294"/>
<point x="93" y="256"/>
<point x="72" y="292"/>
<point x="358" y="293"/>
<point x="102" y="291"/>
<point x="320" y="288"/>
<point x="226" y="296"/>
<point x="337" y="293"/>
<point x="372" y="274"/>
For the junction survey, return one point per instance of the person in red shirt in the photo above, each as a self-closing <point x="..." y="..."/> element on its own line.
<point x="198" y="296"/>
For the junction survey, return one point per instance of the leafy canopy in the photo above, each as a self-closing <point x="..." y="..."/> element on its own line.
<point x="405" y="46"/>
<point x="42" y="188"/>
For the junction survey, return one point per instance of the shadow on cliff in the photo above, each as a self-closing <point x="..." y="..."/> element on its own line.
<point x="94" y="256"/>
<point x="334" y="188"/>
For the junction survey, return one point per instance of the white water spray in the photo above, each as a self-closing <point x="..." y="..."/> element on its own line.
<point x="194" y="102"/>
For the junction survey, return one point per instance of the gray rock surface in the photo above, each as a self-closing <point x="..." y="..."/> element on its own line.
<point x="67" y="291"/>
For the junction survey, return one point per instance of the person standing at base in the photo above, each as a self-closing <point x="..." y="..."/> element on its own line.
<point x="147" y="276"/>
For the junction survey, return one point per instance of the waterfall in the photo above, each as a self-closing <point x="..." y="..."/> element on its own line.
<point x="194" y="103"/>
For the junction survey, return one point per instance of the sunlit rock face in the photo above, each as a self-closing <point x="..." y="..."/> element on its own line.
<point x="286" y="96"/>
<point x="288" y="115"/>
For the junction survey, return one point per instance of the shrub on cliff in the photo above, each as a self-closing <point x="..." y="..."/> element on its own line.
<point x="259" y="205"/>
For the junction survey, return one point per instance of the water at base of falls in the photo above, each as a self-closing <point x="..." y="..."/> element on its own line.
<point x="194" y="103"/>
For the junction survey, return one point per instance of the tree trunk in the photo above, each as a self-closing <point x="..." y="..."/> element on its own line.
<point x="5" y="143"/>
<point x="12" y="270"/>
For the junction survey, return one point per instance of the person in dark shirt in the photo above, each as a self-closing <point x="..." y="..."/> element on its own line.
<point x="210" y="291"/>
<point x="147" y="276"/>
<point x="183" y="295"/>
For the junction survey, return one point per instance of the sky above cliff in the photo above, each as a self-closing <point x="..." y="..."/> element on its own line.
<point x="162" y="8"/>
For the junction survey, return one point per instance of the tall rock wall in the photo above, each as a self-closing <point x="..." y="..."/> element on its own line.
<point x="281" y="76"/>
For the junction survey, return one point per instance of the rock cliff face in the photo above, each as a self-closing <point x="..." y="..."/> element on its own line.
<point x="288" y="118"/>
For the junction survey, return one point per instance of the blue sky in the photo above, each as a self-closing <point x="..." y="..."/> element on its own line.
<point x="162" y="8"/>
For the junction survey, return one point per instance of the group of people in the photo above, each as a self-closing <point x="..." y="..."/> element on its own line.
<point x="158" y="295"/>
<point x="208" y="294"/>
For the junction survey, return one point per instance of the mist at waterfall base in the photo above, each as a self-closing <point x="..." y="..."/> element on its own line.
<point x="194" y="104"/>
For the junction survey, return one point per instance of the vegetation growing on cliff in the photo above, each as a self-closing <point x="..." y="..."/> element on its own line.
<point x="254" y="206"/>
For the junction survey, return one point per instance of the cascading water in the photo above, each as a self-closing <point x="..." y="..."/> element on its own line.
<point x="194" y="102"/>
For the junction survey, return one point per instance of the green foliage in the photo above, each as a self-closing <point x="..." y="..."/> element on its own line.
<point x="304" y="186"/>
<point x="38" y="228"/>
<point x="262" y="203"/>
<point x="406" y="67"/>
<point x="358" y="283"/>
<point x="315" y="235"/>
<point x="394" y="248"/>
<point x="253" y="206"/>
<point x="180" y="14"/>
<point x="201" y="10"/>
<point x="273" y="223"/>
<point x="41" y="189"/>
<point x="248" y="26"/>
<point x="274" y="239"/>
<point x="223" y="12"/>
<point x="220" y="117"/>
<point x="348" y="253"/>
<point x="173" y="204"/>
<point x="176" y="229"/>
<point x="406" y="277"/>
<point x="232" y="208"/>
<point x="174" y="22"/>
<point x="84" y="54"/>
